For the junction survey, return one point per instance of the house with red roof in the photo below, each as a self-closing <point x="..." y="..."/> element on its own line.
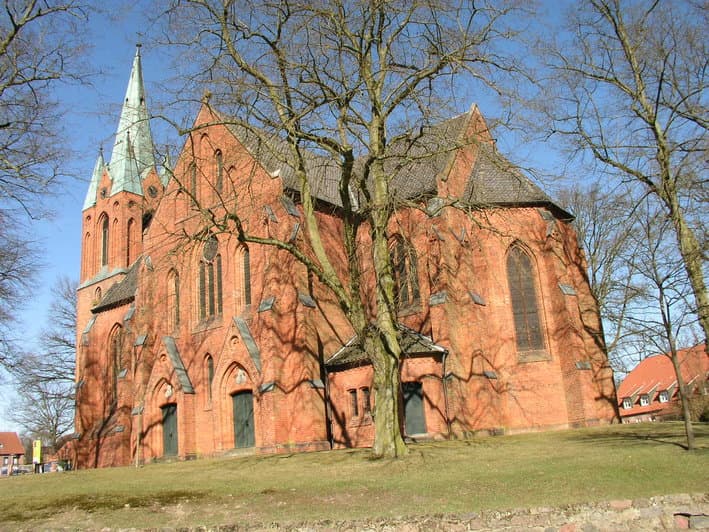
<point x="651" y="393"/>
<point x="12" y="452"/>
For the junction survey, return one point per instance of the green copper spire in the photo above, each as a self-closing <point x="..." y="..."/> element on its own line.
<point x="90" y="200"/>
<point x="133" y="152"/>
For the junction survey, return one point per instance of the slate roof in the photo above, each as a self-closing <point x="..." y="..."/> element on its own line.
<point x="273" y="153"/>
<point x="412" y="343"/>
<point x="656" y="374"/>
<point x="10" y="444"/>
<point x="496" y="181"/>
<point x="122" y="292"/>
<point x="414" y="162"/>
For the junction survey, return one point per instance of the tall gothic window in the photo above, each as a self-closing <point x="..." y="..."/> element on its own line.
<point x="219" y="178"/>
<point x="525" y="307"/>
<point x="210" y="281"/>
<point x="114" y="363"/>
<point x="104" y="240"/>
<point x="243" y="278"/>
<point x="403" y="262"/>
<point x="130" y="242"/>
<point x="193" y="181"/>
<point x="209" y="373"/>
<point x="87" y="257"/>
<point x="173" y="300"/>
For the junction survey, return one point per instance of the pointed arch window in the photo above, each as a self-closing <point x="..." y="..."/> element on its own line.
<point x="87" y="257"/>
<point x="525" y="305"/>
<point x="104" y="240"/>
<point x="173" y="301"/>
<point x="115" y="348"/>
<point x="219" y="177"/>
<point x="130" y="242"/>
<point x="209" y="374"/>
<point x="243" y="278"/>
<point x="193" y="181"/>
<point x="403" y="262"/>
<point x="210" y="281"/>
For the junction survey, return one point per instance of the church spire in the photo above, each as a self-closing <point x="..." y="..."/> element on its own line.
<point x="90" y="200"/>
<point x="133" y="153"/>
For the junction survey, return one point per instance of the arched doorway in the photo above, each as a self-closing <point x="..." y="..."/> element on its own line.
<point x="169" y="429"/>
<point x="414" y="420"/>
<point x="243" y="408"/>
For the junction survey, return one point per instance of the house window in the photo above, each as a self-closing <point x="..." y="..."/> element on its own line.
<point x="525" y="308"/>
<point x="210" y="281"/>
<point x="627" y="403"/>
<point x="104" y="241"/>
<point x="219" y="178"/>
<point x="664" y="396"/>
<point x="173" y="300"/>
<point x="644" y="399"/>
<point x="4" y="460"/>
<point x="403" y="262"/>
<point x="243" y="278"/>
<point x="354" y="404"/>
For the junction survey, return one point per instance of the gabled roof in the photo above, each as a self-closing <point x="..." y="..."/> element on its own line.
<point x="273" y="154"/>
<point x="412" y="343"/>
<point x="123" y="291"/>
<point x="656" y="374"/>
<point x="496" y="181"/>
<point x="414" y="162"/>
<point x="10" y="444"/>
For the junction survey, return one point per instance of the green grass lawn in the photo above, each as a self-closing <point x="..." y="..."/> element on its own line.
<point x="458" y="477"/>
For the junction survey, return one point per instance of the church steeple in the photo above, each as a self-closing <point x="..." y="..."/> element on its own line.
<point x="90" y="200"/>
<point x="133" y="153"/>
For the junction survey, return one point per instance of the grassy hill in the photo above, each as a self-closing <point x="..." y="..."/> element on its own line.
<point x="457" y="477"/>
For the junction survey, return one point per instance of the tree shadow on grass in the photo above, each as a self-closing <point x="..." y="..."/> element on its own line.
<point x="667" y="433"/>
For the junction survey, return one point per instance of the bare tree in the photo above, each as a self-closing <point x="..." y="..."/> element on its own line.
<point x="662" y="315"/>
<point x="604" y="221"/>
<point x="44" y="410"/>
<point x="335" y="85"/>
<point x="45" y="380"/>
<point x="640" y="283"/>
<point x="40" y="45"/>
<point x="628" y="87"/>
<point x="18" y="264"/>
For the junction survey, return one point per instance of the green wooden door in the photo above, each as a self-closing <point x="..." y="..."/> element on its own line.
<point x="169" y="430"/>
<point x="243" y="419"/>
<point x="414" y="420"/>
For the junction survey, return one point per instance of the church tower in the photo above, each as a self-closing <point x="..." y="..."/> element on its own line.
<point x="120" y="199"/>
<point x="122" y="195"/>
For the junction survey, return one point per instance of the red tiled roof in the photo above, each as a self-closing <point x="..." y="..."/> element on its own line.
<point x="656" y="374"/>
<point x="10" y="443"/>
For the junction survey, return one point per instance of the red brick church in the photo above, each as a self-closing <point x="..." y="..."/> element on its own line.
<point x="192" y="344"/>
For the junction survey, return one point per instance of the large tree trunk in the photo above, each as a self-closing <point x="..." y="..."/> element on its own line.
<point x="388" y="442"/>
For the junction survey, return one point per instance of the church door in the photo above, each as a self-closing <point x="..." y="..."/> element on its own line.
<point x="169" y="430"/>
<point x="243" y="419"/>
<point x="414" y="420"/>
